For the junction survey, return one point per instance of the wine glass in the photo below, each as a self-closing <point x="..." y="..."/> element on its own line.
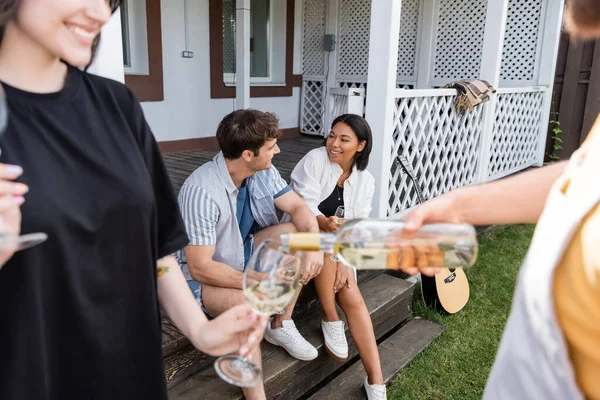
<point x="342" y="214"/>
<point x="271" y="279"/>
<point x="8" y="239"/>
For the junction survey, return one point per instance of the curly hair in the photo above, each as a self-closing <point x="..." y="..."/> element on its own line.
<point x="9" y="8"/>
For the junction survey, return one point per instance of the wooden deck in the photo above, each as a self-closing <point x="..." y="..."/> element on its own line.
<point x="181" y="165"/>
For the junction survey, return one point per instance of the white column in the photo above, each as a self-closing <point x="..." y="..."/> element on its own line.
<point x="381" y="87"/>
<point x="551" y="35"/>
<point x="242" y="54"/>
<point x="491" y="59"/>
<point x="331" y="27"/>
<point x="108" y="61"/>
<point x="428" y="28"/>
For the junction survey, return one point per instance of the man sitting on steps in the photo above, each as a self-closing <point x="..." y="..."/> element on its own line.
<point x="229" y="207"/>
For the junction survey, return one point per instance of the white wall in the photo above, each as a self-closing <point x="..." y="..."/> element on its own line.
<point x="108" y="61"/>
<point x="187" y="110"/>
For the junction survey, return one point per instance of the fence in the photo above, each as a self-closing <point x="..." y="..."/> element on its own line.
<point x="576" y="97"/>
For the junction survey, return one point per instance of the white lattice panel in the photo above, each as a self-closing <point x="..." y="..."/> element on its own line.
<point x="441" y="146"/>
<point x="229" y="36"/>
<point x="459" y="39"/>
<point x="407" y="41"/>
<point x="521" y="40"/>
<point x="516" y="132"/>
<point x="313" y="106"/>
<point x="355" y="23"/>
<point x="313" y="56"/>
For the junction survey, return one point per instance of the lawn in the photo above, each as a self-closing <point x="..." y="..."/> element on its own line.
<point x="457" y="364"/>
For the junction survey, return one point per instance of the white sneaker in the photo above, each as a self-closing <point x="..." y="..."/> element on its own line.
<point x="291" y="340"/>
<point x="335" y="339"/>
<point x="375" y="392"/>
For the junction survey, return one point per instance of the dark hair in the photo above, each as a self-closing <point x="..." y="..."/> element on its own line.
<point x="583" y="18"/>
<point x="246" y="130"/>
<point x="9" y="8"/>
<point x="362" y="130"/>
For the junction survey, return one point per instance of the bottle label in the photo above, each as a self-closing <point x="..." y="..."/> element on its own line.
<point x="305" y="241"/>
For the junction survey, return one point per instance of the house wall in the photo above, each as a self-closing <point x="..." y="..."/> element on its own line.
<point x="187" y="110"/>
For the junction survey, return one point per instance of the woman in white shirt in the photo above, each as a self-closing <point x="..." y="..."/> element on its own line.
<point x="328" y="177"/>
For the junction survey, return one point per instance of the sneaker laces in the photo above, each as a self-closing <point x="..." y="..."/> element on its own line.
<point x="380" y="394"/>
<point x="339" y="334"/>
<point x="293" y="334"/>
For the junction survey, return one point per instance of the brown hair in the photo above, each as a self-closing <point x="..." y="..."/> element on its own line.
<point x="246" y="130"/>
<point x="9" y="8"/>
<point x="582" y="18"/>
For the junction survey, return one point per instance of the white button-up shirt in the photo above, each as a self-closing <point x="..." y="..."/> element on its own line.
<point x="315" y="177"/>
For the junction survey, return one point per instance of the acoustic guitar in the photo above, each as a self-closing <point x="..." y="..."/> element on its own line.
<point x="447" y="291"/>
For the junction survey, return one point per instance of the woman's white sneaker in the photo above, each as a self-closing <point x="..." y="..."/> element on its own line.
<point x="291" y="340"/>
<point x="335" y="339"/>
<point x="375" y="392"/>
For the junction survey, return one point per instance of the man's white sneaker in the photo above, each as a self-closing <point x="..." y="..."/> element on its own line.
<point x="375" y="392"/>
<point x="335" y="339"/>
<point x="291" y="340"/>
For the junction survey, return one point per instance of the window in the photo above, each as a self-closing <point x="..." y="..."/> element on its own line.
<point x="267" y="42"/>
<point x="135" y="39"/>
<point x="275" y="61"/>
<point x="141" y="33"/>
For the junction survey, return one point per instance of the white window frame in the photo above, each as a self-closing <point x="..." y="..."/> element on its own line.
<point x="277" y="48"/>
<point x="136" y="36"/>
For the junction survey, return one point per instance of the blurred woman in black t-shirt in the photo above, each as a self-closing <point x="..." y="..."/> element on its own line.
<point x="80" y="312"/>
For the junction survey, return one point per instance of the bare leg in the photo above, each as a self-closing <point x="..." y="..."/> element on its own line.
<point x="361" y="329"/>
<point x="273" y="232"/>
<point x="218" y="300"/>
<point x="324" y="284"/>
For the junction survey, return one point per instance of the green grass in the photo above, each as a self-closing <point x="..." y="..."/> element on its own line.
<point x="457" y="364"/>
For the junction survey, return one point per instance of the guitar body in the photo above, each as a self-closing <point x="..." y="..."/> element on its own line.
<point x="447" y="291"/>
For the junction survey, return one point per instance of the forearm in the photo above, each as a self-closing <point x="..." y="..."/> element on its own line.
<point x="215" y="273"/>
<point x="177" y="300"/>
<point x="304" y="220"/>
<point x="518" y="199"/>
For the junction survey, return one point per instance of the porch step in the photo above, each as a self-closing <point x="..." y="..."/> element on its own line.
<point x="396" y="352"/>
<point x="388" y="300"/>
<point x="182" y="360"/>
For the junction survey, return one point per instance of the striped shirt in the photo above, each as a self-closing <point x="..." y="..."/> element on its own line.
<point x="208" y="203"/>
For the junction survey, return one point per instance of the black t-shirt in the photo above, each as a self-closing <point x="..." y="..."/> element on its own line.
<point x="329" y="206"/>
<point x="79" y="313"/>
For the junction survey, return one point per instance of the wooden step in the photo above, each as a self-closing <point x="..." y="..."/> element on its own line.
<point x="182" y="360"/>
<point x="396" y="352"/>
<point x="389" y="302"/>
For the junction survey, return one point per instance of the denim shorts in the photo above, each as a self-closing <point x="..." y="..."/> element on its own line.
<point x="196" y="288"/>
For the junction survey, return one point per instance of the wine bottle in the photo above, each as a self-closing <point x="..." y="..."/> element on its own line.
<point x="382" y="244"/>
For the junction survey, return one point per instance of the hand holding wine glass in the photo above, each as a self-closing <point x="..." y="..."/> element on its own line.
<point x="342" y="214"/>
<point x="11" y="199"/>
<point x="271" y="279"/>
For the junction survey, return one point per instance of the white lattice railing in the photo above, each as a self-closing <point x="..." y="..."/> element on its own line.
<point x="517" y="130"/>
<point x="440" y="145"/>
<point x="444" y="148"/>
<point x="312" y="106"/>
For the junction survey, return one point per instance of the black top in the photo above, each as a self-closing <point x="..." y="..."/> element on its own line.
<point x="329" y="206"/>
<point x="79" y="313"/>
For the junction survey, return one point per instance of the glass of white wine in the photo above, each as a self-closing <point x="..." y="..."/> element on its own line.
<point x="271" y="279"/>
<point x="342" y="214"/>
